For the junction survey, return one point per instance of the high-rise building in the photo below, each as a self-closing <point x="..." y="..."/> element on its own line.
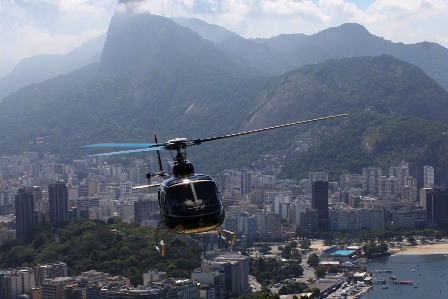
<point x="16" y="282"/>
<point x="435" y="201"/>
<point x="319" y="201"/>
<point x="236" y="273"/>
<point x="58" y="203"/>
<point x="349" y="180"/>
<point x="370" y="176"/>
<point x="387" y="187"/>
<point x="428" y="176"/>
<point x="269" y="226"/>
<point x="143" y="209"/>
<point x="318" y="176"/>
<point x="24" y="203"/>
<point x="308" y="219"/>
<point x="212" y="277"/>
<point x="343" y="219"/>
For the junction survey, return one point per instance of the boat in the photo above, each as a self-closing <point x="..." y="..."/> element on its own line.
<point x="385" y="287"/>
<point x="393" y="278"/>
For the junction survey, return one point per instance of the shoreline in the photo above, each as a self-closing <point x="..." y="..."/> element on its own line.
<point x="421" y="249"/>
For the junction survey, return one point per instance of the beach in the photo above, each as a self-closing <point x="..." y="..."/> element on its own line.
<point x="421" y="249"/>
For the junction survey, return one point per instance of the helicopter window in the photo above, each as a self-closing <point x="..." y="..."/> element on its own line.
<point x="196" y="194"/>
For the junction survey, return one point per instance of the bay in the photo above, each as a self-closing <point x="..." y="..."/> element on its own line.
<point x="429" y="274"/>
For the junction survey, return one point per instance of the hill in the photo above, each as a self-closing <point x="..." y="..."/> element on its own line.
<point x="46" y="66"/>
<point x="291" y="51"/>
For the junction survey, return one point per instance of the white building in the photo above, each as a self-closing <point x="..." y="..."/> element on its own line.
<point x="428" y="176"/>
<point x="370" y="176"/>
<point x="387" y="187"/>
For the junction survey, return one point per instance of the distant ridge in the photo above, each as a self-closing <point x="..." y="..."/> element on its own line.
<point x="39" y="68"/>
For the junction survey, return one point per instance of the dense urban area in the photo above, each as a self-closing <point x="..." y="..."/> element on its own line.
<point x="272" y="220"/>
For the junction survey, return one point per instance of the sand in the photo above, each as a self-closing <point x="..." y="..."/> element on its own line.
<point x="420" y="249"/>
<point x="425" y="249"/>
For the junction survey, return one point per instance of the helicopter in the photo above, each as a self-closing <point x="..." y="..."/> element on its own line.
<point x="189" y="203"/>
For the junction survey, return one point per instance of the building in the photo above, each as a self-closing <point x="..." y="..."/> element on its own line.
<point x="235" y="268"/>
<point x="370" y="176"/>
<point x="318" y="176"/>
<point x="50" y="271"/>
<point x="55" y="288"/>
<point x="24" y="211"/>
<point x="299" y="206"/>
<point x="400" y="173"/>
<point x="371" y="218"/>
<point x="247" y="224"/>
<point x="16" y="282"/>
<point x="343" y="219"/>
<point x="213" y="278"/>
<point x="143" y="209"/>
<point x="58" y="203"/>
<point x="435" y="201"/>
<point x="350" y="180"/>
<point x="428" y="176"/>
<point x="269" y="226"/>
<point x="308" y="220"/>
<point x="387" y="187"/>
<point x="319" y="202"/>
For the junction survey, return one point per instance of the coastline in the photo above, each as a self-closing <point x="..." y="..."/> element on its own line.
<point x="421" y="249"/>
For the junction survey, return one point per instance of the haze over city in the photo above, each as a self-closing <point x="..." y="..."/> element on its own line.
<point x="56" y="27"/>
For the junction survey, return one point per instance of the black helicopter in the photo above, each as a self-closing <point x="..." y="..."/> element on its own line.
<point x="189" y="203"/>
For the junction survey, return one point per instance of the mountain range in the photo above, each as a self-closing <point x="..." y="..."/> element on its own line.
<point x="158" y="75"/>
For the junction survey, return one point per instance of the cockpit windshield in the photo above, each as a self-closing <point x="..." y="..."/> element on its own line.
<point x="193" y="195"/>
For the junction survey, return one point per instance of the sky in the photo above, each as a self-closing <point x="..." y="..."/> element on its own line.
<point x="30" y="27"/>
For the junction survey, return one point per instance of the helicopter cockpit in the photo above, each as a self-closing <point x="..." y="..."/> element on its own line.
<point x="191" y="204"/>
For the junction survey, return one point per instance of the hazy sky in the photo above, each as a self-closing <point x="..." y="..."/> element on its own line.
<point x="29" y="27"/>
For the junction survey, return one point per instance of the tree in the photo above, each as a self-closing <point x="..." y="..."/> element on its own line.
<point x="320" y="272"/>
<point x="305" y="244"/>
<point x="286" y="252"/>
<point x="313" y="260"/>
<point x="411" y="240"/>
<point x="265" y="249"/>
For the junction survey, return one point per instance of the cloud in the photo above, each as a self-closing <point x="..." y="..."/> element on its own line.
<point x="31" y="27"/>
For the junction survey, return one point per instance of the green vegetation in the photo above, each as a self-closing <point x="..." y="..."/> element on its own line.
<point x="265" y="294"/>
<point x="295" y="288"/>
<point x="271" y="270"/>
<point x="116" y="248"/>
<point x="313" y="260"/>
<point x="364" y="236"/>
<point x="395" y="112"/>
<point x="374" y="250"/>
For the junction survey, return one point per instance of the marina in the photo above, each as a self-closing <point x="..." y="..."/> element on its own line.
<point x="428" y="280"/>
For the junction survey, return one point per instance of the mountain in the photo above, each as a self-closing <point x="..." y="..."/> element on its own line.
<point x="39" y="68"/>
<point x="347" y="40"/>
<point x="155" y="76"/>
<point x="208" y="31"/>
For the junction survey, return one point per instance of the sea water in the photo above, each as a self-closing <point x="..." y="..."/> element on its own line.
<point x="429" y="274"/>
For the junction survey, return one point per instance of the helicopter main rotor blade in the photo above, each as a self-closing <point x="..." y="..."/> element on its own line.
<point x="119" y="145"/>
<point x="199" y="141"/>
<point x="146" y="186"/>
<point x="141" y="150"/>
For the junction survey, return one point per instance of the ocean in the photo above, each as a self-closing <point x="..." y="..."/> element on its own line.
<point x="429" y="274"/>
